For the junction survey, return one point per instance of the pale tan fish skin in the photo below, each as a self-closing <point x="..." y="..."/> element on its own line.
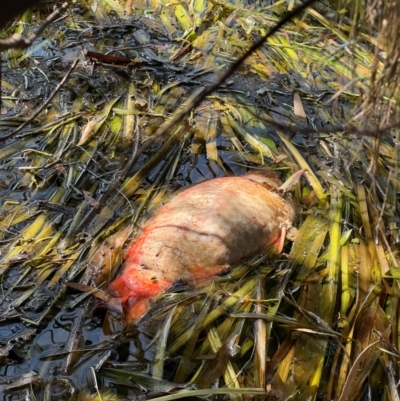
<point x="202" y="231"/>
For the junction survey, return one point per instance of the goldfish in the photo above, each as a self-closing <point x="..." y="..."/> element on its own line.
<point x="201" y="232"/>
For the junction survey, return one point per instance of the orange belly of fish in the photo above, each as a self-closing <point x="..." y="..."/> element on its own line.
<point x="201" y="232"/>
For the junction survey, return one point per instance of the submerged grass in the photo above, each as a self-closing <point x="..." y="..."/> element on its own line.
<point x="321" y="320"/>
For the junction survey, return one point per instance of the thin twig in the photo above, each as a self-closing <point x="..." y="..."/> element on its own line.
<point x="223" y="77"/>
<point x="117" y="182"/>
<point x="226" y="74"/>
<point x="42" y="107"/>
<point x="16" y="41"/>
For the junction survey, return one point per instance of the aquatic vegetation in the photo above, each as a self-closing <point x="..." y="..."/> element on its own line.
<point x="78" y="180"/>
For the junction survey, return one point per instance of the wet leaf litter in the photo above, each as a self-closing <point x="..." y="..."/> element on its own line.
<point x="69" y="205"/>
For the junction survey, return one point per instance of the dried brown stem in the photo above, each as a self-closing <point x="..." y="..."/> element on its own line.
<point x="197" y="101"/>
<point x="228" y="72"/>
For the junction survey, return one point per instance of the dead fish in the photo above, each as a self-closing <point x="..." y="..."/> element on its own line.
<point x="201" y="232"/>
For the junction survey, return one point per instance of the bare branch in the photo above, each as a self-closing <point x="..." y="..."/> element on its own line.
<point x="228" y="72"/>
<point x="197" y="100"/>
<point x="10" y="11"/>
<point x="17" y="41"/>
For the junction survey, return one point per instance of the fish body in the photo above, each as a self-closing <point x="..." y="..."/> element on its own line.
<point x="201" y="232"/>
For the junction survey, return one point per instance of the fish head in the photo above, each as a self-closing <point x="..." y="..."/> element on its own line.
<point x="134" y="289"/>
<point x="132" y="306"/>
